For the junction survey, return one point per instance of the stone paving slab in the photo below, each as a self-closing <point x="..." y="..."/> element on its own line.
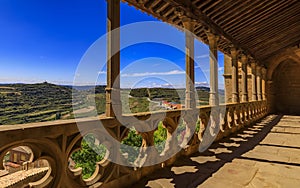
<point x="11" y="179"/>
<point x="236" y="173"/>
<point x="262" y="155"/>
<point x="274" y="162"/>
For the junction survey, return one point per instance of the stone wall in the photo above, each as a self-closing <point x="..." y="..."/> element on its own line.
<point x="286" y="79"/>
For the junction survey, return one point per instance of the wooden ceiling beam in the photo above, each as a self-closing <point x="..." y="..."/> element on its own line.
<point x="168" y="12"/>
<point x="208" y="7"/>
<point x="284" y="44"/>
<point x="212" y="8"/>
<point x="154" y="3"/>
<point x="195" y="1"/>
<point x="162" y="7"/>
<point x="223" y="13"/>
<point x="271" y="36"/>
<point x="197" y="15"/>
<point x="256" y="18"/>
<point x="279" y="22"/>
<point x="258" y="27"/>
<point x="234" y="17"/>
<point x="249" y="19"/>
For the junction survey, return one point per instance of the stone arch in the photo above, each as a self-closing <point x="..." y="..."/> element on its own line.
<point x="277" y="60"/>
<point x="286" y="87"/>
<point x="275" y="64"/>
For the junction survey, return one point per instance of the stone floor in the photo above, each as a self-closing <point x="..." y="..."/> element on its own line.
<point x="266" y="154"/>
<point x="14" y="178"/>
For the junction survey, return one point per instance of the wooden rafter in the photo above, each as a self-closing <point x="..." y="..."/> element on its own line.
<point x="261" y="28"/>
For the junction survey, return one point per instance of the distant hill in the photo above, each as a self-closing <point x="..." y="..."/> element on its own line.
<point x="173" y="95"/>
<point x="98" y="88"/>
<point x="23" y="103"/>
<point x="26" y="103"/>
<point x="81" y="88"/>
<point x="168" y="94"/>
<point x="203" y="88"/>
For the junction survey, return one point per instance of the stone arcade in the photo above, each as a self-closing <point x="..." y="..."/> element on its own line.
<point x="260" y="40"/>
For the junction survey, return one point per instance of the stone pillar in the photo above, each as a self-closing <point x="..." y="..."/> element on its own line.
<point x="235" y="76"/>
<point x="227" y="79"/>
<point x="113" y="101"/>
<point x="213" y="59"/>
<point x="259" y="82"/>
<point x="263" y="83"/>
<point x="271" y="97"/>
<point x="190" y="101"/>
<point x="254" y="81"/>
<point x="244" y="60"/>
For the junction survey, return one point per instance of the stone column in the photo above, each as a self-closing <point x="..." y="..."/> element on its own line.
<point x="227" y="78"/>
<point x="235" y="76"/>
<point x="113" y="102"/>
<point x="254" y="81"/>
<point x="190" y="101"/>
<point x="259" y="82"/>
<point x="213" y="59"/>
<point x="244" y="60"/>
<point x="271" y="99"/>
<point x="263" y="84"/>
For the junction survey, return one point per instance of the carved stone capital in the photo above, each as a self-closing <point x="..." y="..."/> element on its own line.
<point x="253" y="65"/>
<point x="212" y="37"/>
<point x="234" y="52"/>
<point x="258" y="68"/>
<point x="244" y="58"/>
<point x="188" y="23"/>
<point x="186" y="18"/>
<point x="179" y="11"/>
<point x="251" y="59"/>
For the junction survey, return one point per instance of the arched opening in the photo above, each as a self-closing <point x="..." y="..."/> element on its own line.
<point x="286" y="80"/>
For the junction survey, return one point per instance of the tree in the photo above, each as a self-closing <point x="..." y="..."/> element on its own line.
<point x="89" y="154"/>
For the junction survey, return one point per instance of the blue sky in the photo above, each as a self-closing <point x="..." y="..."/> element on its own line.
<point x="46" y="40"/>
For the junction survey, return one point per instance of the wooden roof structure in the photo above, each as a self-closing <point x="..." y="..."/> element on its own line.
<point x="261" y="28"/>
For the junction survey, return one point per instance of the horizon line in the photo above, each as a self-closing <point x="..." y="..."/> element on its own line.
<point x="91" y="85"/>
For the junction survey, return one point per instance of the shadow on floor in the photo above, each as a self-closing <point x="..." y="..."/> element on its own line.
<point x="194" y="170"/>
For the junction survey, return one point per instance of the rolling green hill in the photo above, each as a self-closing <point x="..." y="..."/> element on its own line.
<point x="26" y="103"/>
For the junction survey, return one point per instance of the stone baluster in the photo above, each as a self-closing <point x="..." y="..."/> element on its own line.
<point x="148" y="152"/>
<point x="170" y="124"/>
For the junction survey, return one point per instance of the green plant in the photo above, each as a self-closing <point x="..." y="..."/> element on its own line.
<point x="88" y="155"/>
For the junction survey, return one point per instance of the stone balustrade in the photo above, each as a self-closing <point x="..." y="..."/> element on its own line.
<point x="56" y="141"/>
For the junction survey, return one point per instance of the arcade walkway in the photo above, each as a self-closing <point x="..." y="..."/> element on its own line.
<point x="266" y="154"/>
